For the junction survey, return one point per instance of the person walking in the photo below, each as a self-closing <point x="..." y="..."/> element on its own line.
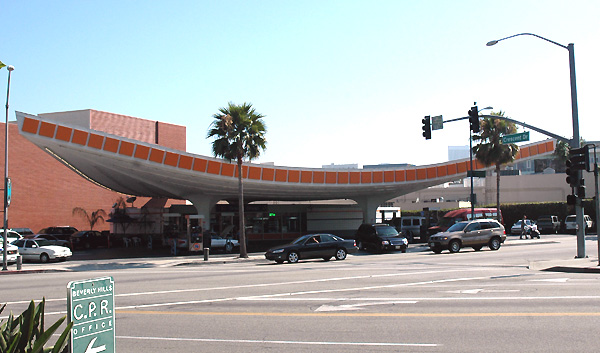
<point x="523" y="230"/>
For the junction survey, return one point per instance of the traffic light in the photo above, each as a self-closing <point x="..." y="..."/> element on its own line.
<point x="474" y="119"/>
<point x="427" y="127"/>
<point x="571" y="199"/>
<point x="580" y="158"/>
<point x="572" y="174"/>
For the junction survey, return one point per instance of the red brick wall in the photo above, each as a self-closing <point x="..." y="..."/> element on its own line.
<point x="169" y="135"/>
<point x="44" y="191"/>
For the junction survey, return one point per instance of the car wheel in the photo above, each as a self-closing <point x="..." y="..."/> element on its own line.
<point x="437" y="250"/>
<point x="228" y="248"/>
<point x="403" y="249"/>
<point x="44" y="258"/>
<point x="279" y="261"/>
<point x="477" y="248"/>
<point x="326" y="259"/>
<point x="454" y="246"/>
<point x="494" y="244"/>
<point x="340" y="254"/>
<point x="293" y="257"/>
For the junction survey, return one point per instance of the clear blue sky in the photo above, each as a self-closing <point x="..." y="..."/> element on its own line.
<point x="338" y="81"/>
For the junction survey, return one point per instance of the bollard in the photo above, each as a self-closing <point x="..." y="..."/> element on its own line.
<point x="19" y="262"/>
<point x="206" y="251"/>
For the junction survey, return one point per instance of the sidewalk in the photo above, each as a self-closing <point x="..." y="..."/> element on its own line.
<point x="128" y="258"/>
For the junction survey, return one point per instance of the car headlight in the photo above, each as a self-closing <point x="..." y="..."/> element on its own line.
<point x="278" y="251"/>
<point x="385" y="242"/>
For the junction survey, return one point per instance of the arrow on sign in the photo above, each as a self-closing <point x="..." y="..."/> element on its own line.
<point x="91" y="349"/>
<point x="359" y="306"/>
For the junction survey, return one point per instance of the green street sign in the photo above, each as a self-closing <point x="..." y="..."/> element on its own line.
<point x="520" y="137"/>
<point x="437" y="122"/>
<point x="476" y="173"/>
<point x="91" y="309"/>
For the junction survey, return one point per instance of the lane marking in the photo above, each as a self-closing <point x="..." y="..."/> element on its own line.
<point x="311" y="343"/>
<point x="360" y="306"/>
<point x="355" y="314"/>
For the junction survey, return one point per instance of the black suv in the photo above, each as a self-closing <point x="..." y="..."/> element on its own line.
<point x="62" y="233"/>
<point x="379" y="237"/>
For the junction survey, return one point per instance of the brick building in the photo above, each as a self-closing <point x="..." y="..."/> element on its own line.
<point x="45" y="191"/>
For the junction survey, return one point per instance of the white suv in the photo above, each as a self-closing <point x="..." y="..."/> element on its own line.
<point x="571" y="223"/>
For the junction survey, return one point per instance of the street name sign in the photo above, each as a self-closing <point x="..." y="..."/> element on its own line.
<point x="520" y="137"/>
<point x="437" y="122"/>
<point x="91" y="309"/>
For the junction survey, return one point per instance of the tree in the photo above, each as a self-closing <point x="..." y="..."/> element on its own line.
<point x="239" y="133"/>
<point x="93" y="218"/>
<point x="491" y="150"/>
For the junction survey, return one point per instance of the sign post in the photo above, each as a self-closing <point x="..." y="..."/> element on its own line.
<point x="91" y="310"/>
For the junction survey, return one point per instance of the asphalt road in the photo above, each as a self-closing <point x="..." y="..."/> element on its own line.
<point x="486" y="301"/>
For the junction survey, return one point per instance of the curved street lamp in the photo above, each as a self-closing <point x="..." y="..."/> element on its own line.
<point x="575" y="140"/>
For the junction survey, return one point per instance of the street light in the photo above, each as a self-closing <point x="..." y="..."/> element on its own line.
<point x="575" y="141"/>
<point x="5" y="235"/>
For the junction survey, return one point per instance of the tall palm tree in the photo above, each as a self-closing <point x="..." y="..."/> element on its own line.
<point x="491" y="150"/>
<point x="239" y="133"/>
<point x="92" y="218"/>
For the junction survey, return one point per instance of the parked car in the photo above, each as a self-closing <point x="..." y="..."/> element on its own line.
<point x="41" y="250"/>
<point x="312" y="246"/>
<point x="87" y="239"/>
<point x="380" y="237"/>
<point x="53" y="240"/>
<point x="23" y="231"/>
<point x="475" y="234"/>
<point x="530" y="227"/>
<point x="11" y="235"/>
<point x="571" y="223"/>
<point x="462" y="214"/>
<point x="11" y="252"/>
<point x="548" y="224"/>
<point x="411" y="226"/>
<point x="62" y="232"/>
<point x="226" y="244"/>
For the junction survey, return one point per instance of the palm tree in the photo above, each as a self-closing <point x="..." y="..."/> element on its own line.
<point x="491" y="150"/>
<point x="93" y="218"/>
<point x="239" y="133"/>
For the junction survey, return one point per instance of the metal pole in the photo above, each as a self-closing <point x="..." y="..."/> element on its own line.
<point x="5" y="235"/>
<point x="575" y="144"/>
<point x="471" y="161"/>
<point x="596" y="194"/>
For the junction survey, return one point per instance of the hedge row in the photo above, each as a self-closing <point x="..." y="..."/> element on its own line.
<point x="513" y="212"/>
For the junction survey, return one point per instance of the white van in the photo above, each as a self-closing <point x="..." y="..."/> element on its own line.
<point x="571" y="223"/>
<point x="410" y="227"/>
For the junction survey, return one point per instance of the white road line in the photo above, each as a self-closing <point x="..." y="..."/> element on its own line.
<point x="312" y="343"/>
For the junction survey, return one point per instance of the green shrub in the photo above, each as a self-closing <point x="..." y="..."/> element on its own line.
<point x="26" y="334"/>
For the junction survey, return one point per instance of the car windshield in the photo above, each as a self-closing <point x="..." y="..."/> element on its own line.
<point x="387" y="231"/>
<point x="458" y="227"/>
<point x="570" y="219"/>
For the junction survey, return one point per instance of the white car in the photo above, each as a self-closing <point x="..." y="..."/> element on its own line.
<point x="225" y="244"/>
<point x="571" y="223"/>
<point x="11" y="253"/>
<point x="41" y="250"/>
<point x="529" y="227"/>
<point x="11" y="235"/>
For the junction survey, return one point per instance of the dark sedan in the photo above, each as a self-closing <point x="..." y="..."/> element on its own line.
<point x="312" y="246"/>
